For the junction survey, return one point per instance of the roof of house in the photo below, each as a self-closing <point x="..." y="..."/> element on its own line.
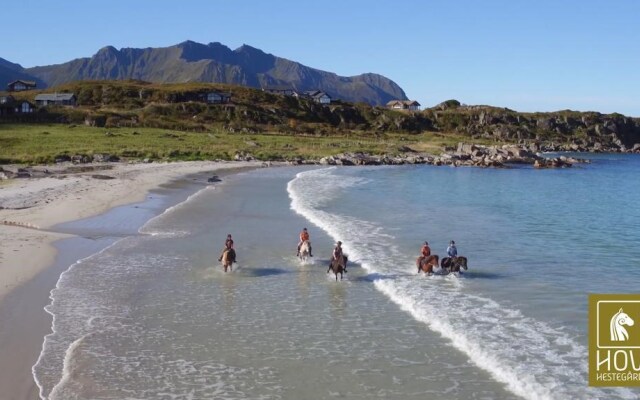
<point x="55" y="96"/>
<point x="403" y="102"/>
<point x="27" y="83"/>
<point x="315" y="93"/>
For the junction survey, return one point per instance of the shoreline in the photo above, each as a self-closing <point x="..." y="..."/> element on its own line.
<point x="37" y="247"/>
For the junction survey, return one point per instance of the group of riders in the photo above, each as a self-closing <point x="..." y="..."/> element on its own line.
<point x="452" y="251"/>
<point x="337" y="254"/>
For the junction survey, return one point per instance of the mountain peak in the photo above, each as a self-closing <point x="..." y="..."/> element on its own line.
<point x="245" y="48"/>
<point x="215" y="62"/>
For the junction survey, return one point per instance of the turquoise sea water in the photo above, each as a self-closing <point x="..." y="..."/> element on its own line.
<point x="153" y="316"/>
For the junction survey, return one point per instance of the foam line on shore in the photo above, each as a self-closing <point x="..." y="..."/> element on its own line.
<point x="66" y="362"/>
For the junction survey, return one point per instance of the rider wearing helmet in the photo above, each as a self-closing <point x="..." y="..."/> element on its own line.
<point x="452" y="251"/>
<point x="338" y="255"/>
<point x="228" y="246"/>
<point x="425" y="250"/>
<point x="304" y="236"/>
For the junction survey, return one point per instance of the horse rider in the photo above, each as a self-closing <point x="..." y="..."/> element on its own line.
<point x="337" y="254"/>
<point x="304" y="237"/>
<point x="425" y="250"/>
<point x="452" y="251"/>
<point x="228" y="246"/>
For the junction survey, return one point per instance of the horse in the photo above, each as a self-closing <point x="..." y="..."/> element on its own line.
<point x="304" y="251"/>
<point x="338" y="266"/>
<point x="426" y="264"/>
<point x="228" y="258"/>
<point x="616" y="326"/>
<point x="453" y="264"/>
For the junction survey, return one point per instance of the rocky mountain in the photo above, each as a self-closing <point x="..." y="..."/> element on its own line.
<point x="214" y="62"/>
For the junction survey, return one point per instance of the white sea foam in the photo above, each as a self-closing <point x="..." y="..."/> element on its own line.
<point x="532" y="359"/>
<point x="149" y="227"/>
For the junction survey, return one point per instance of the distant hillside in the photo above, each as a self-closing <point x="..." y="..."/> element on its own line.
<point x="195" y="62"/>
<point x="10" y="72"/>
<point x="131" y="103"/>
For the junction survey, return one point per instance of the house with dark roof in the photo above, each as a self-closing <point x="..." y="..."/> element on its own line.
<point x="410" y="105"/>
<point x="10" y="106"/>
<point x="62" y="99"/>
<point x="20" y="85"/>
<point x="316" y="95"/>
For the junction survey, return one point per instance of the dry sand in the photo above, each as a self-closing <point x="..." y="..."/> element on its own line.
<point x="31" y="207"/>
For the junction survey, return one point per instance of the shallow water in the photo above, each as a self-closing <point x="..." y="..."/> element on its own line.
<point x="154" y="316"/>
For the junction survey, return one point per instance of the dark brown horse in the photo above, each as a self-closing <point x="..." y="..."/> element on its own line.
<point x="228" y="258"/>
<point x="338" y="266"/>
<point x="454" y="264"/>
<point x="427" y="264"/>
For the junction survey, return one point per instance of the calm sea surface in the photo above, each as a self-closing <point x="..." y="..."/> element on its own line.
<point x="154" y="317"/>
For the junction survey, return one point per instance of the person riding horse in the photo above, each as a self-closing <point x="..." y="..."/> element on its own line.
<point x="425" y="250"/>
<point x="228" y="246"/>
<point x="337" y="254"/>
<point x="304" y="237"/>
<point x="452" y="251"/>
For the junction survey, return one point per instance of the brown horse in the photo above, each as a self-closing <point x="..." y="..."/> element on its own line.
<point x="228" y="258"/>
<point x="427" y="264"/>
<point x="454" y="264"/>
<point x="338" y="266"/>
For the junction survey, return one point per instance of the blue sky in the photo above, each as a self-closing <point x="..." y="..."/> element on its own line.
<point x="525" y="55"/>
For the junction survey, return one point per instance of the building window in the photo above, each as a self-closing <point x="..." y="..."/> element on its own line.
<point x="26" y="107"/>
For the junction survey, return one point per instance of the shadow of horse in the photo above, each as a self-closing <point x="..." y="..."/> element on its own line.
<point x="338" y="266"/>
<point x="427" y="264"/>
<point x="454" y="264"/>
<point x="257" y="272"/>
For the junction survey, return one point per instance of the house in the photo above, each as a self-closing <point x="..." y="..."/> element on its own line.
<point x="282" y="90"/>
<point x="9" y="106"/>
<point x="62" y="99"/>
<point x="20" y="85"/>
<point x="216" y="97"/>
<point x="410" y="105"/>
<point x="318" y="96"/>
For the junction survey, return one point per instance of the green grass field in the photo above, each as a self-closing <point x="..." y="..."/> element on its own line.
<point x="41" y="143"/>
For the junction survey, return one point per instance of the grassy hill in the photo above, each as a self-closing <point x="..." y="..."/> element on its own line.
<point x="160" y="121"/>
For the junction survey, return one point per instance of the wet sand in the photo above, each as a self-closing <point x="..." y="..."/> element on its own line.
<point x="39" y="243"/>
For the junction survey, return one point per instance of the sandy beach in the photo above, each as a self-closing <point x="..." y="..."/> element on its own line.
<point x="29" y="209"/>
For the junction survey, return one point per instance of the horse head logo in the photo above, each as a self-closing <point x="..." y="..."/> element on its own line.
<point x="616" y="326"/>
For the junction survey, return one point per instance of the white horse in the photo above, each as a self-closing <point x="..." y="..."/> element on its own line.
<point x="304" y="251"/>
<point x="616" y="326"/>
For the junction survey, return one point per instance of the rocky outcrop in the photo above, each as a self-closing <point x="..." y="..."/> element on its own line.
<point x="470" y="155"/>
<point x="555" y="131"/>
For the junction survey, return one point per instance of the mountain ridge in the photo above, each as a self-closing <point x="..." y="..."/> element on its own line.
<point x="214" y="62"/>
